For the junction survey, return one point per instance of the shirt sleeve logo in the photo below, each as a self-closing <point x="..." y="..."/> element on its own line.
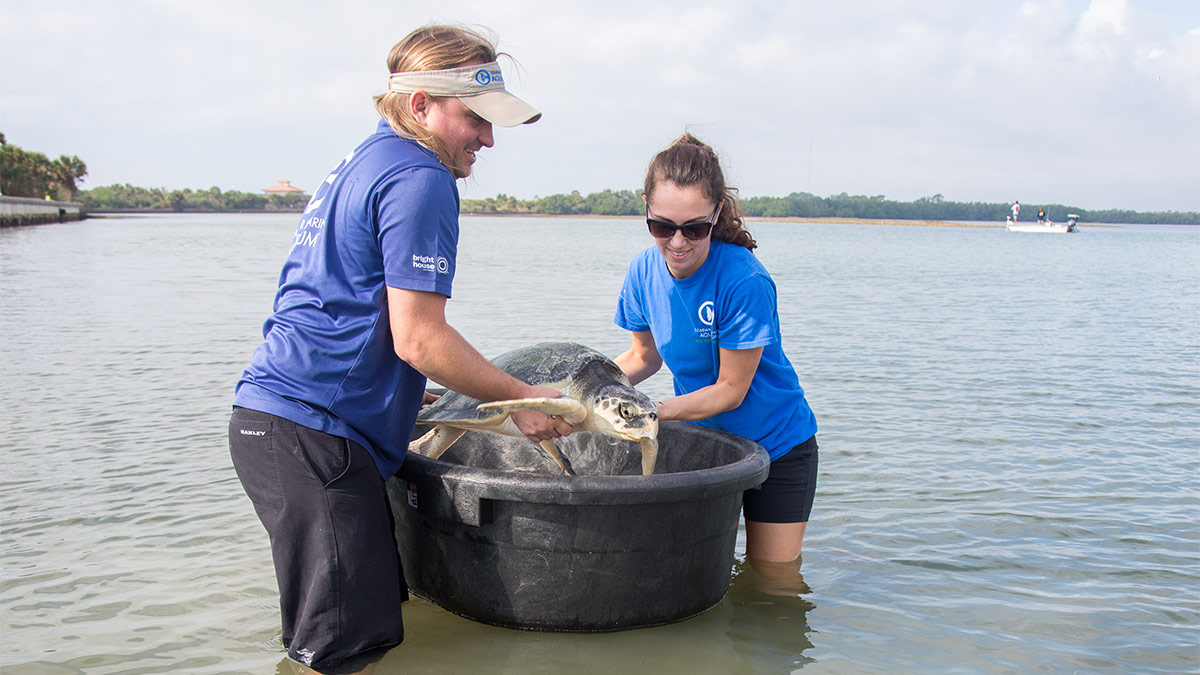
<point x="428" y="263"/>
<point x="423" y="262"/>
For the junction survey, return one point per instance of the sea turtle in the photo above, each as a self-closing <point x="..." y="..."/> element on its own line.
<point x="596" y="397"/>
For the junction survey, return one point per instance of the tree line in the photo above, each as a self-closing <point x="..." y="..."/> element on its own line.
<point x="32" y="174"/>
<point x="806" y="205"/>
<point x="629" y="203"/>
<point x="131" y="198"/>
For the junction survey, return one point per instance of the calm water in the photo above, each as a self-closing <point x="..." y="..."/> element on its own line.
<point x="1010" y="447"/>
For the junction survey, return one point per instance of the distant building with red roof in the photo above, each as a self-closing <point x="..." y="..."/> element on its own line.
<point x="283" y="187"/>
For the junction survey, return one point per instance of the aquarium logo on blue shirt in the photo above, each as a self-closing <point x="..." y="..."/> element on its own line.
<point x="707" y="314"/>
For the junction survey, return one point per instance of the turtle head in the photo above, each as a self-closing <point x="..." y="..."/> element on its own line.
<point x="624" y="412"/>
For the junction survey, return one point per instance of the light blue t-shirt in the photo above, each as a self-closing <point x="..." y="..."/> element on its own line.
<point x="386" y="216"/>
<point x="729" y="302"/>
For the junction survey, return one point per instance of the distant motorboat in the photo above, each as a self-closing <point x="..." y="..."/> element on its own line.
<point x="1049" y="227"/>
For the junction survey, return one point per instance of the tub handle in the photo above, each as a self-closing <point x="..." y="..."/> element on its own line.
<point x="456" y="502"/>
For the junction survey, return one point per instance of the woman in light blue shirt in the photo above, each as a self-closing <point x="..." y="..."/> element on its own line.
<point x="700" y="302"/>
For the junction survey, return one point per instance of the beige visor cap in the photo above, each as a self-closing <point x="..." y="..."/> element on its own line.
<point x="481" y="88"/>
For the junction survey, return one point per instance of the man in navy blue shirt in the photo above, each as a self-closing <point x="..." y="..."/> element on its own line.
<point x="324" y="412"/>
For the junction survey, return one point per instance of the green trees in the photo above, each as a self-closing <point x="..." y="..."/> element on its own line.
<point x="501" y="203"/>
<point x="32" y="174"/>
<point x="559" y="205"/>
<point x="130" y="198"/>
<point x="805" y="205"/>
<point x="606" y="203"/>
<point x="610" y="203"/>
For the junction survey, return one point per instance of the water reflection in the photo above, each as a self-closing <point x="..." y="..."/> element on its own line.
<point x="769" y="621"/>
<point x="771" y="578"/>
<point x="761" y="626"/>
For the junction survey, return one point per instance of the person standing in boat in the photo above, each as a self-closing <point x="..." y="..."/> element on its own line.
<point x="701" y="302"/>
<point x="1041" y="215"/>
<point x="324" y="412"/>
<point x="1016" y="210"/>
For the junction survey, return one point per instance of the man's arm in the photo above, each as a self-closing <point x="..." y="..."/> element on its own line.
<point x="422" y="338"/>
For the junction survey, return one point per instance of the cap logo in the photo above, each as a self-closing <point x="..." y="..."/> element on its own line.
<point x="480" y="86"/>
<point x="484" y="77"/>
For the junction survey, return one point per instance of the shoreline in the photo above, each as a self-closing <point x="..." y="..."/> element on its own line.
<point x="117" y="213"/>
<point x="835" y="220"/>
<point x="830" y="220"/>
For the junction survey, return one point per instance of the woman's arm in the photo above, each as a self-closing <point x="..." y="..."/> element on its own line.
<point x="642" y="359"/>
<point x="733" y="381"/>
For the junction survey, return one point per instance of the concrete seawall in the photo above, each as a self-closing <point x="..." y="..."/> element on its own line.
<point x="27" y="211"/>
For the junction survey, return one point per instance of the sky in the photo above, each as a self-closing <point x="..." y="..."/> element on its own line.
<point x="1087" y="103"/>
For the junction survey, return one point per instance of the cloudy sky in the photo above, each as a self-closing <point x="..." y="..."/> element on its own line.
<point x="1090" y="103"/>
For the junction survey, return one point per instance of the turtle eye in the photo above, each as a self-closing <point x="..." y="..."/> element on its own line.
<point x="626" y="411"/>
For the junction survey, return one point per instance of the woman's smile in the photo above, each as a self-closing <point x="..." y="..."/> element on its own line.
<point x="675" y="205"/>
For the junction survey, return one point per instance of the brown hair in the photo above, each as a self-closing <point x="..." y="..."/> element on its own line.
<point x="429" y="48"/>
<point x="688" y="161"/>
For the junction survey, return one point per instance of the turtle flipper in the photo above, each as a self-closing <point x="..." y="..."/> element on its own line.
<point x="465" y="416"/>
<point x="434" y="443"/>
<point x="552" y="450"/>
<point x="649" y="448"/>
<point x="570" y="410"/>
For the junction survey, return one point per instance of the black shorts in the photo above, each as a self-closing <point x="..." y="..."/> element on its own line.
<point x="326" y="510"/>
<point x="787" y="494"/>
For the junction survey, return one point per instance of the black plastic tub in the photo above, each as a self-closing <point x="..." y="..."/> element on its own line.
<point x="494" y="532"/>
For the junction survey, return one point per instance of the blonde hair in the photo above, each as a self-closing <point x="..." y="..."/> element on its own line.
<point x="430" y="48"/>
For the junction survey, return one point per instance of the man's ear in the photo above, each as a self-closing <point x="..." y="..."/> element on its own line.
<point x="418" y="105"/>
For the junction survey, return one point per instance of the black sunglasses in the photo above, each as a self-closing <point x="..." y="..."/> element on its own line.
<point x="661" y="229"/>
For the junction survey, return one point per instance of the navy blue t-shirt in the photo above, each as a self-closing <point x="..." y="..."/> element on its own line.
<point x="386" y="216"/>
<point x="729" y="302"/>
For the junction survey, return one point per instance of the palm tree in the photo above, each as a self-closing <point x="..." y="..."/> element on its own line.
<point x="65" y="171"/>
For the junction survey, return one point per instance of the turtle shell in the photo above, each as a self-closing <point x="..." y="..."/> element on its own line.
<point x="571" y="368"/>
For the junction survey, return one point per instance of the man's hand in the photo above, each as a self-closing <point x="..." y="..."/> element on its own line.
<point x="538" y="426"/>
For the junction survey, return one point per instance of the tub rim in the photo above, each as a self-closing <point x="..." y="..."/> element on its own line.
<point x="514" y="486"/>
